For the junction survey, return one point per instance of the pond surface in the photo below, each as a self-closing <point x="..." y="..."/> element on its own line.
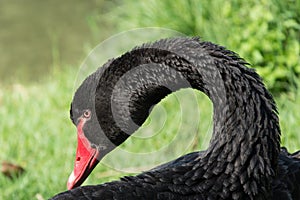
<point x="36" y="36"/>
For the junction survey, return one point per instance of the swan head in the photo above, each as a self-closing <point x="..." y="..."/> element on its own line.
<point x="113" y="103"/>
<point x="92" y="143"/>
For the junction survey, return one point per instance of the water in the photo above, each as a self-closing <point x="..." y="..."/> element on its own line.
<point x="36" y="36"/>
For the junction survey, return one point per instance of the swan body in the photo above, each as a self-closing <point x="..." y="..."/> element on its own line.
<point x="244" y="159"/>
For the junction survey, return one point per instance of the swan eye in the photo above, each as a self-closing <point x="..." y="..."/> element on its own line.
<point x="87" y="114"/>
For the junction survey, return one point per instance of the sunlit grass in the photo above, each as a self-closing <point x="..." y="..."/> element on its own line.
<point x="36" y="133"/>
<point x="289" y="115"/>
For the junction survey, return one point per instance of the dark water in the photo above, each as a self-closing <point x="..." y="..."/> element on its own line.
<point x="36" y="36"/>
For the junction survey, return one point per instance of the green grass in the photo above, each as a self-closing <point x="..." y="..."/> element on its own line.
<point x="37" y="134"/>
<point x="289" y="116"/>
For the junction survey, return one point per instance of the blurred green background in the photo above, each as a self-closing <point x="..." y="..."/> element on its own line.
<point x="43" y="43"/>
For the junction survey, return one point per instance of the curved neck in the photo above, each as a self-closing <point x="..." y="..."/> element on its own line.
<point x="245" y="120"/>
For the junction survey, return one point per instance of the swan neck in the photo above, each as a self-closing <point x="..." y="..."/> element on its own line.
<point x="244" y="112"/>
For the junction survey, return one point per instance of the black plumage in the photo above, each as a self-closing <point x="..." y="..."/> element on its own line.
<point x="243" y="160"/>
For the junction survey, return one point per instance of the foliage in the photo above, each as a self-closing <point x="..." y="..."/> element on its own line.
<point x="266" y="32"/>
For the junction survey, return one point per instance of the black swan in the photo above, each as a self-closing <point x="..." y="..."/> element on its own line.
<point x="244" y="159"/>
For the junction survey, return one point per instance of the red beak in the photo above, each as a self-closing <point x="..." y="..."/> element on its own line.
<point x="86" y="159"/>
